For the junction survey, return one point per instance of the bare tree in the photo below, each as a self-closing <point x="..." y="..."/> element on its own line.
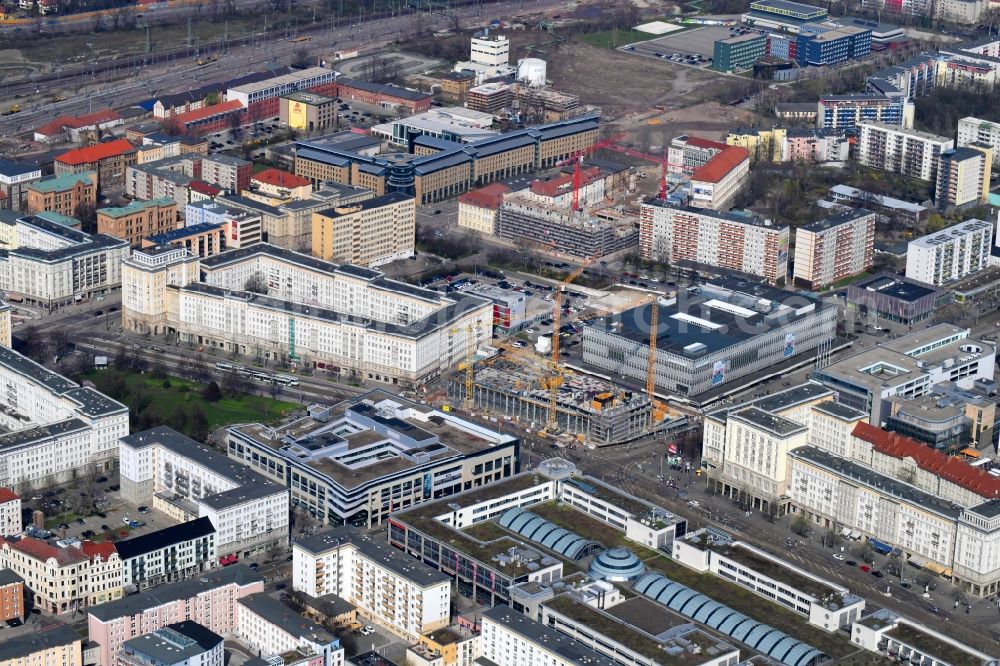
<point x="256" y="283"/>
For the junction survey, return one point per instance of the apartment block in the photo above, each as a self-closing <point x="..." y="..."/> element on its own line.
<point x="369" y="233"/>
<point x="907" y="152"/>
<point x="138" y="220"/>
<point x="180" y="644"/>
<point x="271" y="628"/>
<point x="14" y="180"/>
<point x="510" y="637"/>
<point x="230" y="173"/>
<point x="108" y="160"/>
<point x="824" y="44"/>
<point x="63" y="194"/>
<point x="190" y="482"/>
<point x="44" y="642"/>
<point x="67" y="579"/>
<point x="846" y="111"/>
<point x="12" y="596"/>
<point x="201" y="240"/>
<point x="145" y="276"/>
<point x="950" y="254"/>
<point x="407" y="596"/>
<point x="168" y="555"/>
<point x="737" y="240"/>
<point x="10" y="512"/>
<point x="210" y="600"/>
<point x="56" y="428"/>
<point x="835" y="248"/>
<point x="973" y="130"/>
<point x="964" y="176"/>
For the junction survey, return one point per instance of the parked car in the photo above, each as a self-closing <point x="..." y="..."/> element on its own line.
<point x="865" y="568"/>
<point x="144" y="509"/>
<point x="838" y="556"/>
<point x="877" y="573"/>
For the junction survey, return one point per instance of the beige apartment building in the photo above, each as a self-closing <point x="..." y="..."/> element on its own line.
<point x="477" y="210"/>
<point x="366" y="233"/>
<point x="145" y="276"/>
<point x="834" y="248"/>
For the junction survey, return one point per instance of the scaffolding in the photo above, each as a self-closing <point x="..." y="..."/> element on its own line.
<point x="589" y="410"/>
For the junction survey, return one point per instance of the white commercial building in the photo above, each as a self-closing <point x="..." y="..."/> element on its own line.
<point x="57" y="428"/>
<point x="343" y="318"/>
<point x="181" y="644"/>
<point x="973" y="130"/>
<point x="187" y="480"/>
<point x="509" y="637"/>
<point x="950" y="254"/>
<point x="834" y="248"/>
<point x="277" y="86"/>
<point x="405" y="595"/>
<point x="50" y="264"/>
<point x="907" y="152"/>
<point x="489" y="57"/>
<point x="737" y="240"/>
<point x="450" y="123"/>
<point x="271" y="628"/>
<point x="907" y="642"/>
<point x="825" y="604"/>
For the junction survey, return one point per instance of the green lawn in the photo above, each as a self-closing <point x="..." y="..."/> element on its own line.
<point x="179" y="404"/>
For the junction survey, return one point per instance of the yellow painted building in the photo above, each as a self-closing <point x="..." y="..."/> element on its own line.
<point x="763" y="144"/>
<point x="45" y="644"/>
<point x="366" y="233"/>
<point x="450" y="646"/>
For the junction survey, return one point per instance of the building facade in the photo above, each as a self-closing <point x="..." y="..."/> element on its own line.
<point x="835" y="248"/>
<point x="15" y="177"/>
<point x="907" y="152"/>
<point x="10" y="513"/>
<point x="369" y="233"/>
<point x="737" y="240"/>
<point x="973" y="130"/>
<point x="407" y="596"/>
<point x="964" y="177"/>
<point x="138" y="220"/>
<point x="950" y="254"/>
<point x="63" y="194"/>
<point x="108" y="160"/>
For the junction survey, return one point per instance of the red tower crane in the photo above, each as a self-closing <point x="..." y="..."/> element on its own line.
<point x="613" y="143"/>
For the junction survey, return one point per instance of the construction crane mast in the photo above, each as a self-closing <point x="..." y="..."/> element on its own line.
<point x="657" y="408"/>
<point x="470" y="374"/>
<point x="555" y="378"/>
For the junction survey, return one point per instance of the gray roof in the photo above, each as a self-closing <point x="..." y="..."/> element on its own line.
<point x="837" y="220"/>
<point x="404" y="566"/>
<point x="40" y="638"/>
<point x="544" y="638"/>
<point x="236" y="574"/>
<point x="250" y="484"/>
<point x="286" y="619"/>
<point x="777" y="425"/>
<point x="41" y="375"/>
<point x="160" y="539"/>
<point x="15" y="168"/>
<point x="8" y="576"/>
<point x="175" y="643"/>
<point x="12" y="440"/>
<point x="55" y="229"/>
<point x="384" y="89"/>
<point x="880" y="482"/>
<point x="840" y="410"/>
<point x="97" y="243"/>
<point x="94" y="403"/>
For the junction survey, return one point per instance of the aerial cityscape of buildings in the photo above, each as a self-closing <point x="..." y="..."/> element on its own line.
<point x="543" y="334"/>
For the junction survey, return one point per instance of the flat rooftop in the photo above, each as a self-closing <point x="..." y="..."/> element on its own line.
<point x="381" y="552"/>
<point x="568" y="650"/>
<point x="351" y="452"/>
<point x="895" y="287"/>
<point x="650" y="646"/>
<point x="21" y="642"/>
<point x="713" y="317"/>
<point x="933" y="646"/>
<point x="777" y="425"/>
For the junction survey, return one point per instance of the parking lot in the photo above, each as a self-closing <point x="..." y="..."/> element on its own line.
<point x="685" y="47"/>
<point x="67" y="518"/>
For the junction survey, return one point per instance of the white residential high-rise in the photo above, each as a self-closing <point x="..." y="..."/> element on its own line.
<point x="510" y="637"/>
<point x="404" y="594"/>
<point x="973" y="130"/>
<point x="950" y="254"/>
<point x="907" y="152"/>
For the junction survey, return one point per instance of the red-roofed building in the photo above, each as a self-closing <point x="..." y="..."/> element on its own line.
<point x="558" y="191"/>
<point x="110" y="160"/>
<point x="477" y="210"/>
<point x="201" y="190"/>
<point x="715" y="184"/>
<point x="10" y="513"/>
<point x="281" y="185"/>
<point x="209" y="119"/>
<point x="948" y="477"/>
<point x="62" y="580"/>
<point x="71" y="127"/>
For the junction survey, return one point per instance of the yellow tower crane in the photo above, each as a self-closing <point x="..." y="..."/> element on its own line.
<point x="469" y="368"/>
<point x="555" y="378"/>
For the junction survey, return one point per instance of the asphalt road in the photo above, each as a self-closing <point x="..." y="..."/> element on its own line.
<point x="131" y="81"/>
